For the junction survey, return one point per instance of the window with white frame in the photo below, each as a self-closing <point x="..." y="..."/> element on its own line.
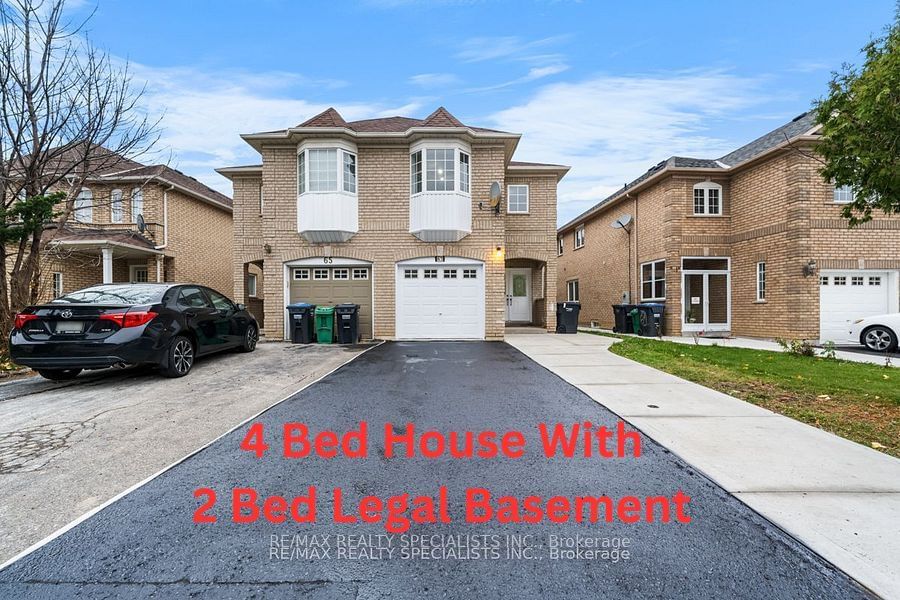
<point x="470" y="274"/>
<point x="340" y="274"/>
<point x="760" y="282"/>
<point x="653" y="280"/>
<point x="572" y="290"/>
<point x="559" y="246"/>
<point x="116" y="207"/>
<point x="708" y="199"/>
<point x="57" y="285"/>
<point x="84" y="206"/>
<point x="449" y="273"/>
<point x="439" y="170"/>
<point x="320" y="274"/>
<point x="844" y="194"/>
<point x="857" y="280"/>
<point x="251" y="285"/>
<point x="262" y="200"/>
<point x="139" y="274"/>
<point x="326" y="170"/>
<point x="410" y="273"/>
<point x="579" y="237"/>
<point x="840" y="280"/>
<point x="517" y="199"/>
<point x="875" y="280"/>
<point x="301" y="274"/>
<point x="429" y="273"/>
<point x="137" y="204"/>
<point x="360" y="273"/>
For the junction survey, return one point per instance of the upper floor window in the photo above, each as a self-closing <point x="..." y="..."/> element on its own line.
<point x="84" y="206"/>
<point x="116" y="208"/>
<point x="434" y="169"/>
<point x="559" y="246"/>
<point x="326" y="170"/>
<point x="579" y="237"/>
<point x="517" y="199"/>
<point x="708" y="198"/>
<point x="137" y="203"/>
<point x="844" y="194"/>
<point x="653" y="280"/>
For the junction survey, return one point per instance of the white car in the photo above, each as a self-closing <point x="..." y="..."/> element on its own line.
<point x="878" y="333"/>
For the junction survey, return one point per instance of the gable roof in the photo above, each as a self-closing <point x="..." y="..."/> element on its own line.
<point x="799" y="126"/>
<point x="167" y="175"/>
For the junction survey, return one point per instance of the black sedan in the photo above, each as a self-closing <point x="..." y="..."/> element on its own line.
<point x="116" y="325"/>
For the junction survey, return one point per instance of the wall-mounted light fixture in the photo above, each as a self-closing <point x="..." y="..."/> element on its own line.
<point x="267" y="248"/>
<point x="498" y="252"/>
<point x="810" y="268"/>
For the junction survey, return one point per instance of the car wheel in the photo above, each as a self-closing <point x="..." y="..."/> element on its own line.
<point x="880" y="339"/>
<point x="251" y="337"/>
<point x="59" y="374"/>
<point x="180" y="358"/>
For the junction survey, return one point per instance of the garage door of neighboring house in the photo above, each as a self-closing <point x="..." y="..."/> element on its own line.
<point x="333" y="284"/>
<point x="849" y="295"/>
<point x="440" y="299"/>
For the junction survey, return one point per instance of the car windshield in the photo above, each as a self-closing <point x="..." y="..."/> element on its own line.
<point x="114" y="294"/>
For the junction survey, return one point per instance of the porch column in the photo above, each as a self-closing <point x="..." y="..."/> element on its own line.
<point x="107" y="264"/>
<point x="160" y="267"/>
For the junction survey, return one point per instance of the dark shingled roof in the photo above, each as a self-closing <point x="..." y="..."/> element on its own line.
<point x="131" y="238"/>
<point x="797" y="126"/>
<point x="439" y="118"/>
<point x="178" y="178"/>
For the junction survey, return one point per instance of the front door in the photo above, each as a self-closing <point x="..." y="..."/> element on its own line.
<point x="518" y="295"/>
<point x="706" y="300"/>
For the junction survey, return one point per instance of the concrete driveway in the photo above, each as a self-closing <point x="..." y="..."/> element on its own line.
<point x="65" y="448"/>
<point x="146" y="543"/>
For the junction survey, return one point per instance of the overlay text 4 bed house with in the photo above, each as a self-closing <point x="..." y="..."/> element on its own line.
<point x="427" y="224"/>
<point x="186" y="233"/>
<point x="752" y="243"/>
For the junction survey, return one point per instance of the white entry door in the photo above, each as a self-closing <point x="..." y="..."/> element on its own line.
<point x="706" y="294"/>
<point x="848" y="295"/>
<point x="518" y="295"/>
<point x="440" y="300"/>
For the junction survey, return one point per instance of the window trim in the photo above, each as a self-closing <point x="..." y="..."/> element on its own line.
<point x="116" y="199"/>
<point x="137" y="197"/>
<point x="570" y="288"/>
<point x="560" y="244"/>
<point x="252" y="289"/>
<point x="84" y="195"/>
<point x="527" y="199"/>
<point x="578" y="246"/>
<point x="57" y="275"/>
<point x="458" y="148"/>
<point x="706" y="186"/>
<point x="842" y="189"/>
<point x="761" y="281"/>
<point x="341" y="149"/>
<point x="653" y="279"/>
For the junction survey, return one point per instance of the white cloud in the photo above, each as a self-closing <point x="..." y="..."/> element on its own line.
<point x="481" y="49"/>
<point x="612" y="129"/>
<point x="434" y="80"/>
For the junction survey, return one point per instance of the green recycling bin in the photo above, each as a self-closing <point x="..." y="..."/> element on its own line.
<point x="634" y="314"/>
<point x="325" y="324"/>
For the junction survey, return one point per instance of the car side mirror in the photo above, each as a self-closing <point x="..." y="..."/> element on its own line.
<point x="241" y="306"/>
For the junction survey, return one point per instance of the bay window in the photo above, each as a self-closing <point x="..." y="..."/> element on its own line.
<point x="444" y="169"/>
<point x="326" y="170"/>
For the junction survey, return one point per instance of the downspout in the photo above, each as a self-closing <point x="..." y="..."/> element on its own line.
<point x="165" y="230"/>
<point x="636" y="234"/>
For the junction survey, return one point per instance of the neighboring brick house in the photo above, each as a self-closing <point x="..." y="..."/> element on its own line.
<point x="752" y="243"/>
<point x="187" y="234"/>
<point x="396" y="215"/>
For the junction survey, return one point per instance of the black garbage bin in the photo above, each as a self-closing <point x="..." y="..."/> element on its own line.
<point x="346" y="318"/>
<point x="651" y="318"/>
<point x="301" y="319"/>
<point x="567" y="317"/>
<point x="622" y="322"/>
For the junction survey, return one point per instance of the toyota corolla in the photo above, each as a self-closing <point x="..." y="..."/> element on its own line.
<point x="115" y="325"/>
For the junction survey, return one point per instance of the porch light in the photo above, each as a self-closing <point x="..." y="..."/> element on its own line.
<point x="809" y="269"/>
<point x="499" y="252"/>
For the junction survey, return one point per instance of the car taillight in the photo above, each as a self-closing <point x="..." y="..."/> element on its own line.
<point x="23" y="318"/>
<point x="129" y="318"/>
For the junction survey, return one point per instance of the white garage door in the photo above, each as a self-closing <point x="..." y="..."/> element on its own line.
<point x="440" y="300"/>
<point x="849" y="295"/>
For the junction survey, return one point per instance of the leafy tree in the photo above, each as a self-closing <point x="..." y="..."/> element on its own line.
<point x="860" y="121"/>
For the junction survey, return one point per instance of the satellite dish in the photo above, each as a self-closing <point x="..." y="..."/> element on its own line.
<point x="623" y="222"/>
<point x="496" y="192"/>
<point x="142" y="225"/>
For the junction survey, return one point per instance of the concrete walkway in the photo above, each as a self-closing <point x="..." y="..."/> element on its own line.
<point x="840" y="498"/>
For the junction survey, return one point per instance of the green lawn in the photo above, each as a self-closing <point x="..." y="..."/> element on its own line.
<point x="858" y="401"/>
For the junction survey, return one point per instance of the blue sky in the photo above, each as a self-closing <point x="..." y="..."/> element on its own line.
<point x="607" y="87"/>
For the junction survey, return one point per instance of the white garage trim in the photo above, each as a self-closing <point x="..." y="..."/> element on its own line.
<point x="459" y="288"/>
<point x="329" y="261"/>
<point x="839" y="304"/>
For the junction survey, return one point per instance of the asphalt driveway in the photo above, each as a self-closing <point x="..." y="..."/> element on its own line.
<point x="73" y="445"/>
<point x="146" y="542"/>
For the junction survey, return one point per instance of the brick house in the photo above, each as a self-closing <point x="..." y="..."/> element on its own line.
<point x="396" y="215"/>
<point x="752" y="243"/>
<point x="186" y="232"/>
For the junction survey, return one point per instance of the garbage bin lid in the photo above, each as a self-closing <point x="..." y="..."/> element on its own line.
<point x="324" y="310"/>
<point x="301" y="305"/>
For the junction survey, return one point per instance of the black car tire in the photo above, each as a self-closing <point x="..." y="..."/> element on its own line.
<point x="251" y="338"/>
<point x="59" y="374"/>
<point x="879" y="338"/>
<point x="180" y="357"/>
